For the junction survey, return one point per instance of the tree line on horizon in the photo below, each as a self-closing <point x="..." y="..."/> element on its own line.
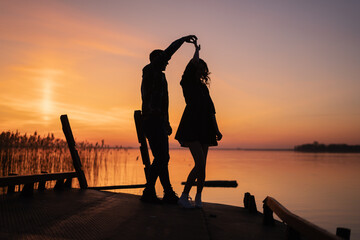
<point x="331" y="148"/>
<point x="16" y="140"/>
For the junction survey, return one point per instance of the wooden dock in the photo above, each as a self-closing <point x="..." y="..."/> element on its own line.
<point x="65" y="213"/>
<point x="92" y="214"/>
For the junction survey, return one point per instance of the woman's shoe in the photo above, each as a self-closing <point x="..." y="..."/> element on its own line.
<point x="184" y="201"/>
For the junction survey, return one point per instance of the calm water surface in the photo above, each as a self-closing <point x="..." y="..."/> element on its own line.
<point x="322" y="188"/>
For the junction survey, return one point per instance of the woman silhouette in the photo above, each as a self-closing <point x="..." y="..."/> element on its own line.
<point x="198" y="127"/>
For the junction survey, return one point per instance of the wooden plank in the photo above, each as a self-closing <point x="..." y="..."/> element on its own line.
<point x="74" y="153"/>
<point x="142" y="140"/>
<point x="91" y="214"/>
<point x="28" y="179"/>
<point x="304" y="227"/>
<point x="118" y="187"/>
<point x="216" y="183"/>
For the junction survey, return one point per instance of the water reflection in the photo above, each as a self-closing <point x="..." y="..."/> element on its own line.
<point x="322" y="187"/>
<point x="102" y="167"/>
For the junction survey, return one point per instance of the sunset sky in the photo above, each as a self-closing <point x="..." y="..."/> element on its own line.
<point x="283" y="72"/>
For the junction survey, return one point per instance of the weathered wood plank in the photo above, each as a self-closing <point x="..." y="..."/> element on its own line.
<point x="118" y="187"/>
<point x="304" y="227"/>
<point x="216" y="183"/>
<point x="74" y="153"/>
<point x="28" y="179"/>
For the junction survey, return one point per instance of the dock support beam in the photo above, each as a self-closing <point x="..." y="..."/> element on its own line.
<point x="74" y="153"/>
<point x="11" y="188"/>
<point x="249" y="203"/>
<point x="42" y="184"/>
<point x="27" y="190"/>
<point x="268" y="215"/>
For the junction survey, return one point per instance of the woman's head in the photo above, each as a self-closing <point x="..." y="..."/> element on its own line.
<point x="202" y="72"/>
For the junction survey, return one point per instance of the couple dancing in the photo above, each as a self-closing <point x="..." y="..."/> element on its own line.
<point x="197" y="130"/>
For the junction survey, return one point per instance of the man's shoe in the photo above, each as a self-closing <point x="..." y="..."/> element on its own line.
<point x="170" y="197"/>
<point x="149" y="196"/>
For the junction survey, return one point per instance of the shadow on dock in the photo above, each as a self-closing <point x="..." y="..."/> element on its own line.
<point x="92" y="214"/>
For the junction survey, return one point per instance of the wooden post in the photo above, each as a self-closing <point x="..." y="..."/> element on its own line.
<point x="246" y="200"/>
<point x="27" y="190"/>
<point x="74" y="153"/>
<point x="252" y="204"/>
<point x="143" y="144"/>
<point x="59" y="185"/>
<point x="268" y="215"/>
<point x="343" y="233"/>
<point x="41" y="186"/>
<point x="11" y="188"/>
<point x="68" y="183"/>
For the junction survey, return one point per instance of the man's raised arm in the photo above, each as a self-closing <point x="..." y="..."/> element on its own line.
<point x="177" y="44"/>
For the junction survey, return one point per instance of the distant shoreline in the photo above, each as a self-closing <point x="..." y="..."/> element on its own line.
<point x="239" y="149"/>
<point x="330" y="148"/>
<point x="276" y="150"/>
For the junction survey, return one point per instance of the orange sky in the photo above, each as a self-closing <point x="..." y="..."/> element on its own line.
<point x="282" y="73"/>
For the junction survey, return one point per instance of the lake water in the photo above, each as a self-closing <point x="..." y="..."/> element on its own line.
<point x="323" y="188"/>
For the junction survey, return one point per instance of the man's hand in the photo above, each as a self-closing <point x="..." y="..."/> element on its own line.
<point x="190" y="39"/>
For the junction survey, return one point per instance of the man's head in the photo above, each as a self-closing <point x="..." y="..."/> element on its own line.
<point x="158" y="59"/>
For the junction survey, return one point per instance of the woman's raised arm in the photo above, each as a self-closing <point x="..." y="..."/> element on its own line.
<point x="196" y="54"/>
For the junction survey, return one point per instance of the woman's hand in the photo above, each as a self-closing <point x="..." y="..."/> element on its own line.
<point x="197" y="47"/>
<point x="195" y="58"/>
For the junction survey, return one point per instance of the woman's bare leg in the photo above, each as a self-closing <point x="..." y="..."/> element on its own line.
<point x="205" y="152"/>
<point x="199" y="158"/>
<point x="190" y="181"/>
<point x="198" y="172"/>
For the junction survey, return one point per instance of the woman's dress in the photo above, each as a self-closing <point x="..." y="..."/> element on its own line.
<point x="197" y="120"/>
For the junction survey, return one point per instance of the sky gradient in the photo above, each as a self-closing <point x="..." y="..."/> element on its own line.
<point x="283" y="72"/>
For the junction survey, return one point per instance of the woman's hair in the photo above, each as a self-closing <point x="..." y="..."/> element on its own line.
<point x="204" y="78"/>
<point x="191" y="71"/>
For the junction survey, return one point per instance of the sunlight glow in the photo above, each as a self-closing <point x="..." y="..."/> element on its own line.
<point x="278" y="78"/>
<point x="48" y="77"/>
<point x="46" y="103"/>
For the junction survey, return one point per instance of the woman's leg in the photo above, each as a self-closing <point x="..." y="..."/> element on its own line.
<point x="196" y="151"/>
<point x="190" y="181"/>
<point x="199" y="156"/>
<point x="205" y="152"/>
<point x="198" y="172"/>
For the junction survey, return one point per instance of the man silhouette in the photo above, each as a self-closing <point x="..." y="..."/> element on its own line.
<point x="155" y="111"/>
